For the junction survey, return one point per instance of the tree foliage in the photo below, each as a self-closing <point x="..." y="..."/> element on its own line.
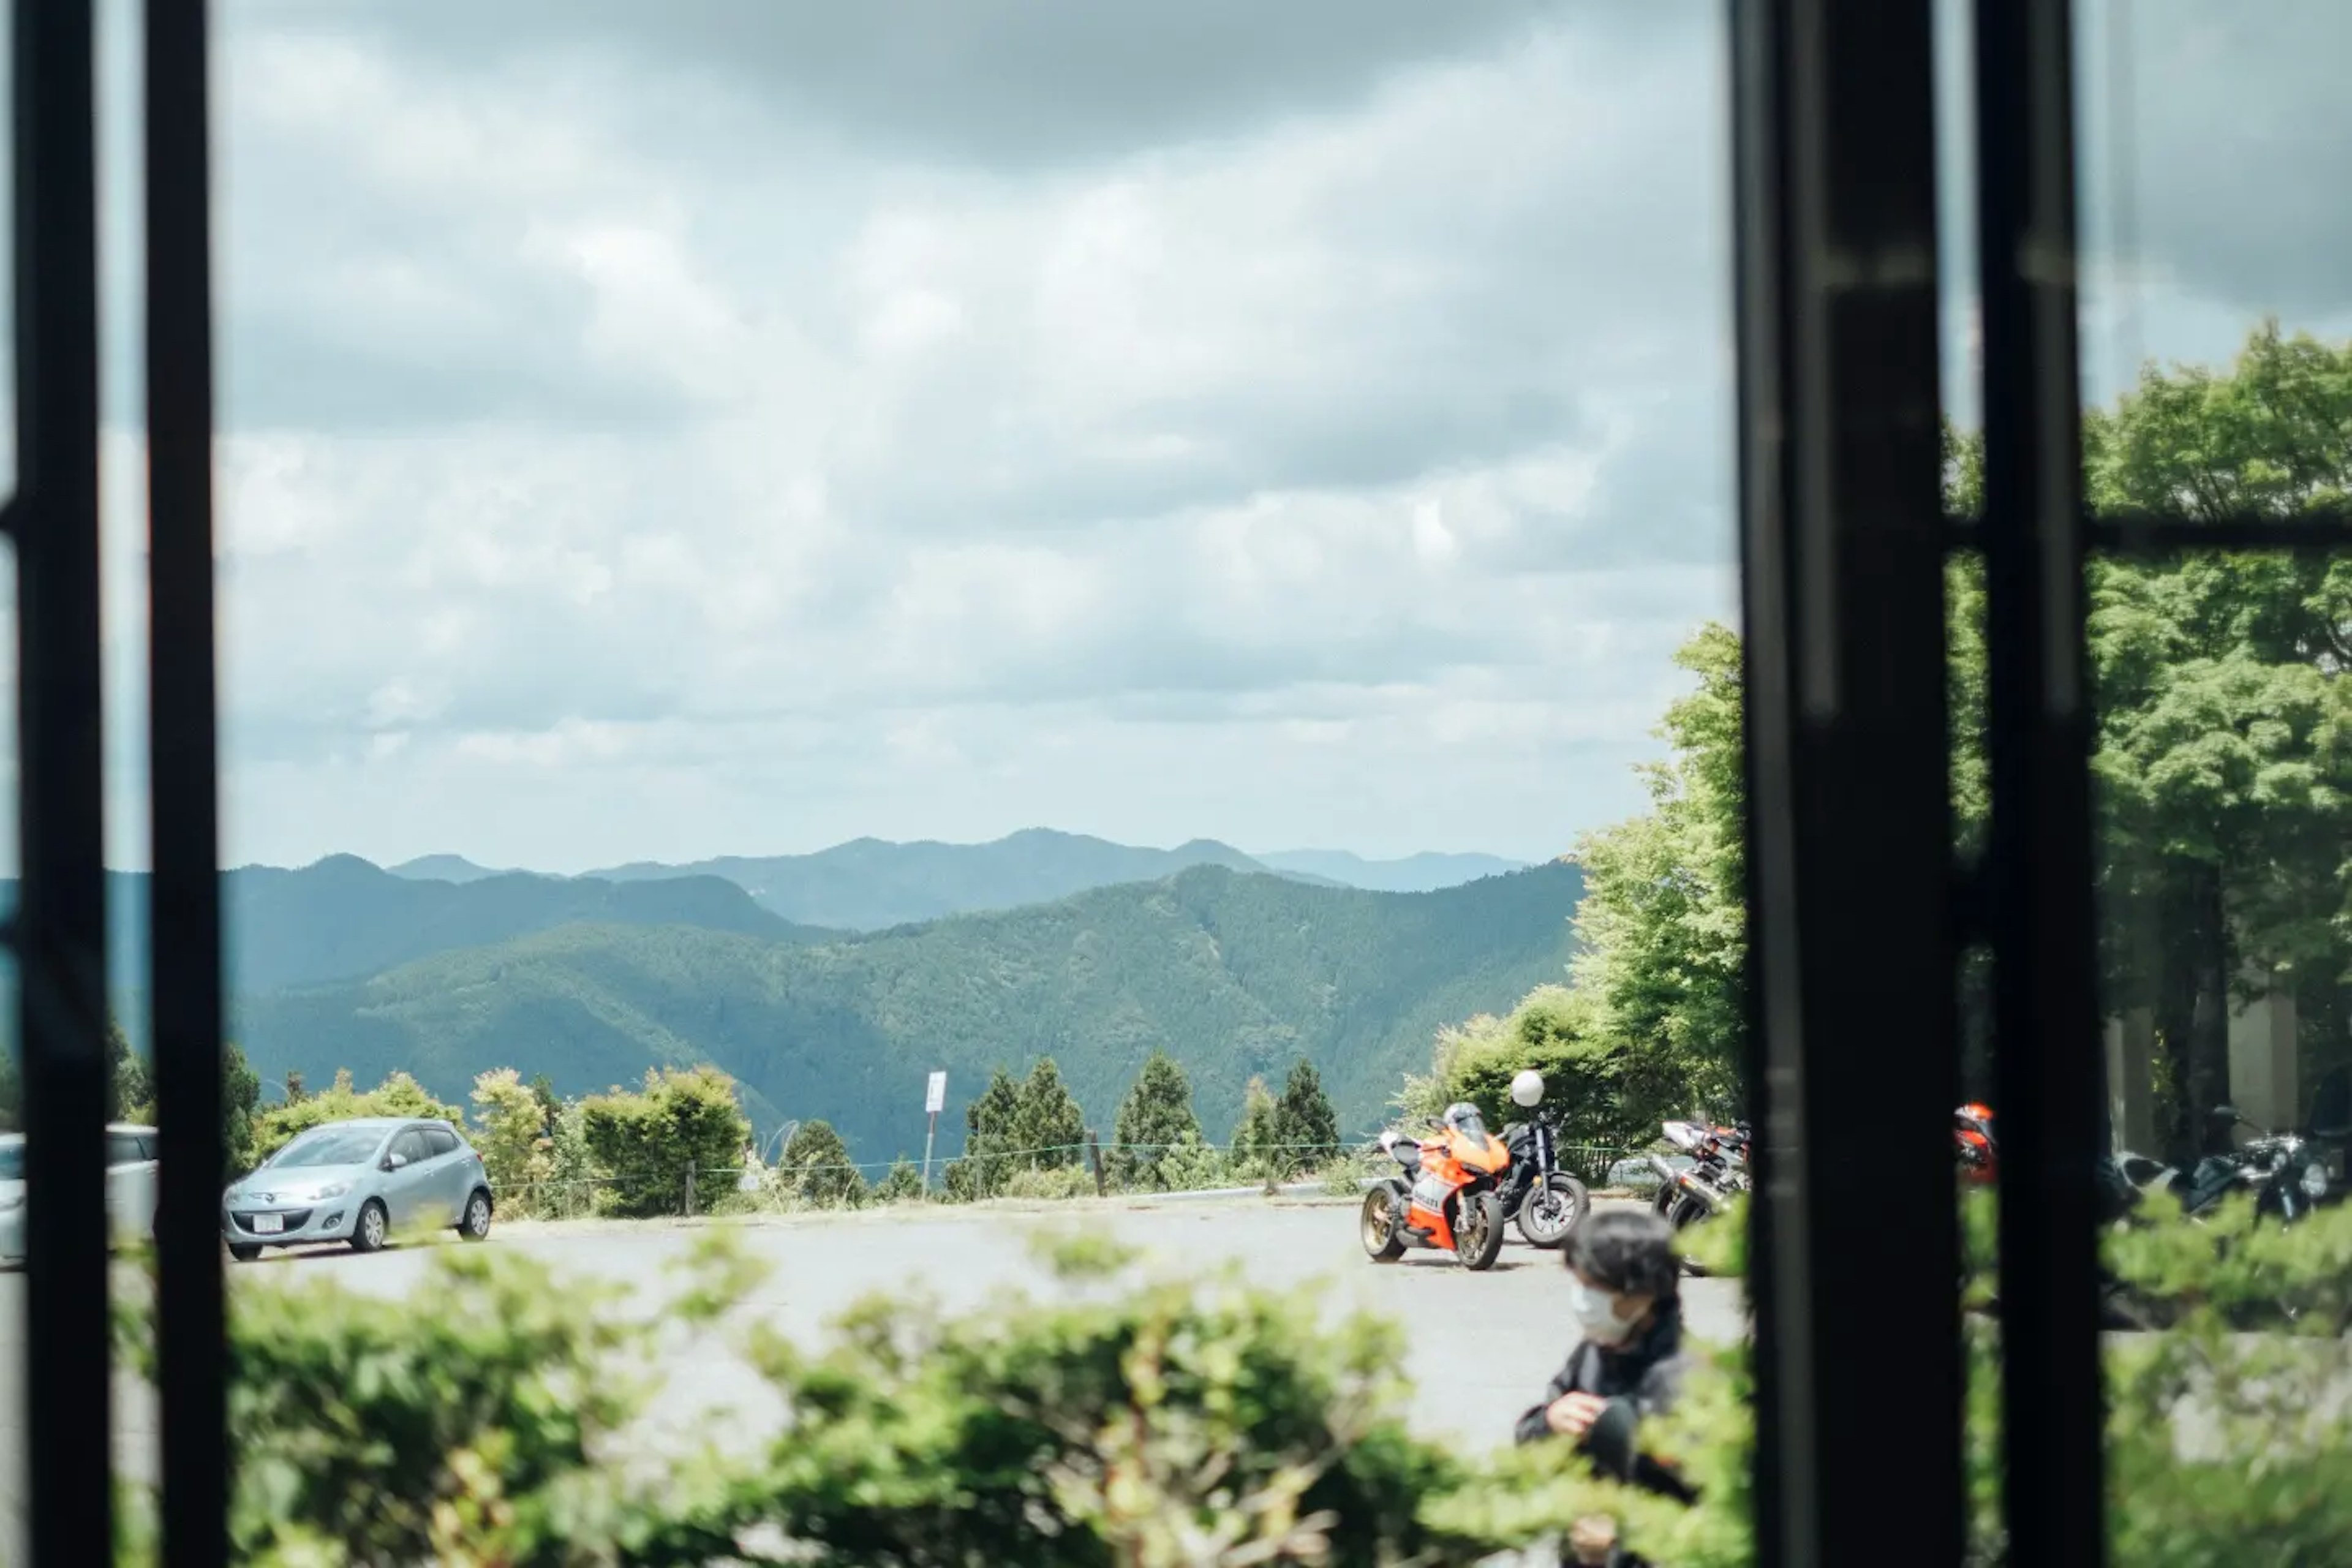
<point x="1154" y="1119"/>
<point x="1305" y="1129"/>
<point x="815" y="1168"/>
<point x="398" y="1095"/>
<point x="1556" y="1031"/>
<point x="1252" y="1147"/>
<point x="682" y="1120"/>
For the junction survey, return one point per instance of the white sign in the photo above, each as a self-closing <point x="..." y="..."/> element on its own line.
<point x="936" y="1100"/>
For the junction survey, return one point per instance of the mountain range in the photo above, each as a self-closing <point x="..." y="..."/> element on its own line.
<point x="1235" y="973"/>
<point x="871" y="884"/>
<point x="1232" y="966"/>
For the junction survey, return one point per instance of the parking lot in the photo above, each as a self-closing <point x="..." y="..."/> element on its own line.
<point x="1482" y="1345"/>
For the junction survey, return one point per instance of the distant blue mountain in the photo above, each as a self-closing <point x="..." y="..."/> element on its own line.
<point x="1423" y="873"/>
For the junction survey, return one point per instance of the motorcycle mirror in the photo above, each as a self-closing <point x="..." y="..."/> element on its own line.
<point x="2223" y="1113"/>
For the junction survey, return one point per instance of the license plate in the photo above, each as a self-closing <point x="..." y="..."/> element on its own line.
<point x="269" y="1223"/>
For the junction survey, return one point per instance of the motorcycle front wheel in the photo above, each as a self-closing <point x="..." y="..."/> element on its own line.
<point x="1478" y="1231"/>
<point x="1377" y="1223"/>
<point x="1555" y="1206"/>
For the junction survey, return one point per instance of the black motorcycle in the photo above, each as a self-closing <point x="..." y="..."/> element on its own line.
<point x="2286" y="1174"/>
<point x="1545" y="1201"/>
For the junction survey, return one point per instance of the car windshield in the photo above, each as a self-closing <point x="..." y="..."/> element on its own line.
<point x="12" y="1162"/>
<point x="337" y="1146"/>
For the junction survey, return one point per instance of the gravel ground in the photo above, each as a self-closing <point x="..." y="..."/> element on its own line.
<point x="1482" y="1348"/>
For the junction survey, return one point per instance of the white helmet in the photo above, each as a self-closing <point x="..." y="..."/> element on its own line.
<point x="1528" y="1089"/>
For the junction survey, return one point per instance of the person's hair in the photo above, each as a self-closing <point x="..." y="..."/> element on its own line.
<point x="1630" y="1251"/>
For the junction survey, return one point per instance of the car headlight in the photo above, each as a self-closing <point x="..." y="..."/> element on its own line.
<point x="2314" y="1180"/>
<point x="331" y="1189"/>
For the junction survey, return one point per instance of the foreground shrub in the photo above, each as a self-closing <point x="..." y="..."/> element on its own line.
<point x="2223" y="1447"/>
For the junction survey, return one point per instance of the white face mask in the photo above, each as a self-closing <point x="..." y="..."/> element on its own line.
<point x="1601" y="1314"/>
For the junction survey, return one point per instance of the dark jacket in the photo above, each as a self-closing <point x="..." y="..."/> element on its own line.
<point x="1638" y="1380"/>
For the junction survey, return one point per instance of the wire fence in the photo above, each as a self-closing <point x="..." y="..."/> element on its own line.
<point x="1092" y="1168"/>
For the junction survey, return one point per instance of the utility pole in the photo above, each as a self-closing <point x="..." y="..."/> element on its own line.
<point x="935" y="1099"/>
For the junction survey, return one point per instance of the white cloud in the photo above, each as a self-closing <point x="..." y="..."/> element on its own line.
<point x="644" y="443"/>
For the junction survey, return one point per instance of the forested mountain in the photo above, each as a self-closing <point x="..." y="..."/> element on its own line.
<point x="1232" y="974"/>
<point x="869" y="883"/>
<point x="1423" y="873"/>
<point x="343" y="918"/>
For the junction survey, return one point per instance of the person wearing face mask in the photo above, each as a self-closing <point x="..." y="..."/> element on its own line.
<point x="1624" y="1294"/>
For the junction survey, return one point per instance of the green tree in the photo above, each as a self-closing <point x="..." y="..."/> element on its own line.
<point x="127" y="1085"/>
<point x="644" y="1143"/>
<point x="1049" y="1127"/>
<point x="992" y="1122"/>
<point x="1664" y="922"/>
<point x="1155" y="1118"/>
<point x="294" y="1090"/>
<point x="512" y="1135"/>
<point x="817" y="1168"/>
<point x="1306" y="1128"/>
<point x="1252" y="1151"/>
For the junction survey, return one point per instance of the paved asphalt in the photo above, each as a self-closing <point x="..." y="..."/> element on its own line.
<point x="1482" y="1345"/>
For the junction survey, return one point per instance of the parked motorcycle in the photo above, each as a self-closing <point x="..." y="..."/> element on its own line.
<point x="1717" y="1173"/>
<point x="2285" y="1171"/>
<point x="1545" y="1201"/>
<point x="1448" y="1198"/>
<point x="1973" y="1141"/>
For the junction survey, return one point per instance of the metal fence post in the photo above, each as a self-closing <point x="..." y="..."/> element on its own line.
<point x="1094" y="1153"/>
<point x="690" y="1189"/>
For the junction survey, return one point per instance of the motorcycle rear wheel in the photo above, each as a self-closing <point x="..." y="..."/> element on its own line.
<point x="1478" y="1231"/>
<point x="1555" y="1206"/>
<point x="1375" y="1223"/>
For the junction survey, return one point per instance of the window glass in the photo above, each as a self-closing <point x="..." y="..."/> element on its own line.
<point x="125" y="1149"/>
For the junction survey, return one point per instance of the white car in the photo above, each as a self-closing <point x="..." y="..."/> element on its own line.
<point x="130" y="1187"/>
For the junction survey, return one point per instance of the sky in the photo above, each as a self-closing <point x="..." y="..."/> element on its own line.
<point x="733" y="427"/>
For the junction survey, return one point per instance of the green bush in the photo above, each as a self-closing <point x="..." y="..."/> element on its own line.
<point x="903" y="1184"/>
<point x="1051" y="1182"/>
<point x="643" y="1143"/>
<point x="398" y="1095"/>
<point x="2267" y="1481"/>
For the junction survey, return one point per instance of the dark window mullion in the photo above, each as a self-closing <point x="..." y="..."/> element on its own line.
<point x="61" y="900"/>
<point x="184" y="912"/>
<point x="2048" y="1065"/>
<point x="1850" y="829"/>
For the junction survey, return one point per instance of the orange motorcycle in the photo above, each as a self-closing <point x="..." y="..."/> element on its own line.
<point x="1447" y="1198"/>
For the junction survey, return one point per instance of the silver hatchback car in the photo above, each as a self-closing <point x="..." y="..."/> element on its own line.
<point x="359" y="1182"/>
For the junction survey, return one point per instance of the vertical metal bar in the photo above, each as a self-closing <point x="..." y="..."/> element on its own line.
<point x="1783" y="1490"/>
<point x="2047" y="1059"/>
<point x="1849" y="814"/>
<point x="61" y="911"/>
<point x="184" y="912"/>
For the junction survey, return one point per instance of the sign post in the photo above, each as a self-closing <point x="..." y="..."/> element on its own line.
<point x="935" y="1099"/>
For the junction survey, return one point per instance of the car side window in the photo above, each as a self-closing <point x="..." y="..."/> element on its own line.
<point x="441" y="1140"/>
<point x="410" y="1146"/>
<point x="123" y="1149"/>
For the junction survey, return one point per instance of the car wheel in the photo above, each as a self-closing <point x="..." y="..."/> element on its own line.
<point x="243" y="1254"/>
<point x="475" y="1225"/>
<point x="373" y="1228"/>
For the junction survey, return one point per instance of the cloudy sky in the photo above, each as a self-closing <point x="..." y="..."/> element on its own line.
<point x="737" y="425"/>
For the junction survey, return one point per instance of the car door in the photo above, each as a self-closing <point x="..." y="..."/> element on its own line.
<point x="408" y="1188"/>
<point x="130" y="1186"/>
<point x="451" y="1174"/>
